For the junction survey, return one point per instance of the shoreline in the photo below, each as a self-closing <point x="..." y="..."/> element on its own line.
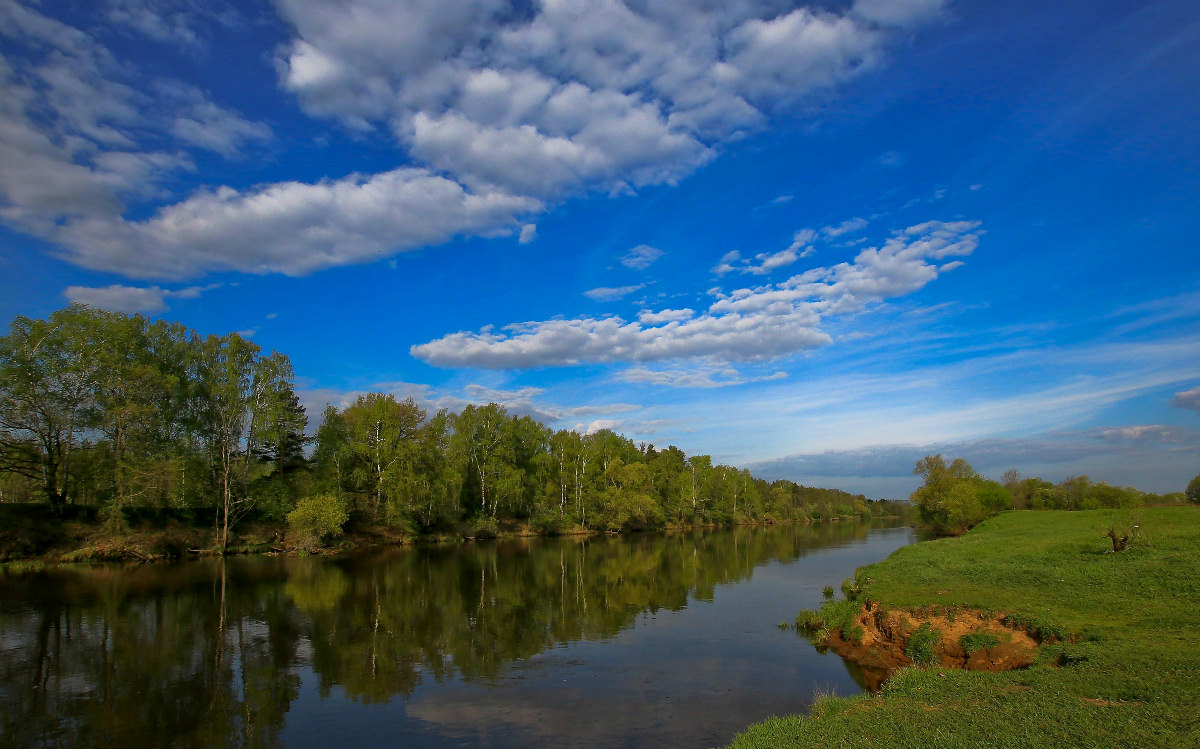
<point x="1114" y="663"/>
<point x="84" y="541"/>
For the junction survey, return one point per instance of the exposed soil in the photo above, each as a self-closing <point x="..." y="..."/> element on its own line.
<point x="886" y="633"/>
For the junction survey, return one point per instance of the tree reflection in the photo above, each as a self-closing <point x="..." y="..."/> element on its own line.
<point x="208" y="653"/>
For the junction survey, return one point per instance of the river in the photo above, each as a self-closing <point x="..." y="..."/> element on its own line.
<point x="638" y="640"/>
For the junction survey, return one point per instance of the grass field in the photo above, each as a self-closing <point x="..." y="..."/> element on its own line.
<point x="1128" y="675"/>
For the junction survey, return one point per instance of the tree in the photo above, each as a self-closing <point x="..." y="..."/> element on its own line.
<point x="239" y="387"/>
<point x="1193" y="490"/>
<point x="48" y="373"/>
<point x="380" y="443"/>
<point x="953" y="497"/>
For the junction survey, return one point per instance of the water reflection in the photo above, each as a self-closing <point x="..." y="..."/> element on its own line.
<point x="214" y="653"/>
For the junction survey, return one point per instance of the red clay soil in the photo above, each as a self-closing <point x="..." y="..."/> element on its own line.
<point x="886" y="633"/>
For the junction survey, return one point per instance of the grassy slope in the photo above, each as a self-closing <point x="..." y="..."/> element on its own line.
<point x="1132" y="677"/>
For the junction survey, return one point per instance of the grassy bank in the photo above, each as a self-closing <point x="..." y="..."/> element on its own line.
<point x="1127" y="675"/>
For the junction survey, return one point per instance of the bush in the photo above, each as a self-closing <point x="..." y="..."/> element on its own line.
<point x="317" y="519"/>
<point x="921" y="648"/>
<point x="973" y="642"/>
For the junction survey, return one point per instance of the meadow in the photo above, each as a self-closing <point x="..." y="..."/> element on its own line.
<point x="1124" y="673"/>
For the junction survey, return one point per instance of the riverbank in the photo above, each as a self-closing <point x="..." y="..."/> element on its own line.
<point x="1123" y="674"/>
<point x="35" y="535"/>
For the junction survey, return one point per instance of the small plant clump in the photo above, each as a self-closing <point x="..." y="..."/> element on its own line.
<point x="1040" y="630"/>
<point x="921" y="648"/>
<point x="973" y="642"/>
<point x="852" y="589"/>
<point x="808" y="621"/>
<point x="317" y="519"/>
<point x="854" y="634"/>
<point x="828" y="592"/>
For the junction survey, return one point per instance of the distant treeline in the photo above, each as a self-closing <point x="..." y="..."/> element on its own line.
<point x="122" y="413"/>
<point x="953" y="497"/>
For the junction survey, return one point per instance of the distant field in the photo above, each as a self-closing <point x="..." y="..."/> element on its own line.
<point x="1128" y="677"/>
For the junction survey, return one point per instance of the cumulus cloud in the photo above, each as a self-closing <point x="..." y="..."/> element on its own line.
<point x="641" y="257"/>
<point x="528" y="233"/>
<point x="74" y="127"/>
<point x="292" y="227"/>
<point x="664" y="316"/>
<point x="748" y="324"/>
<point x="501" y="109"/>
<point x="767" y="262"/>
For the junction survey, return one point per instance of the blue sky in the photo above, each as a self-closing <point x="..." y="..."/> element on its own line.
<point x="817" y="239"/>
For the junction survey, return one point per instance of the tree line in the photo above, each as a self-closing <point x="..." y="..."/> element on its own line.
<point x="953" y="497"/>
<point x="125" y="414"/>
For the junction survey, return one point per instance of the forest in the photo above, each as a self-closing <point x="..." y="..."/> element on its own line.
<point x="138" y="418"/>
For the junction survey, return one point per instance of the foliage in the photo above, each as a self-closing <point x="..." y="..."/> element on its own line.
<point x="317" y="519"/>
<point x="1193" y="490"/>
<point x="104" y="410"/>
<point x="922" y="645"/>
<point x="973" y="642"/>
<point x="953" y="497"/>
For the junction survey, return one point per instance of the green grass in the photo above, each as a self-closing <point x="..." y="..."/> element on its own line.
<point x="973" y="642"/>
<point x="1120" y="661"/>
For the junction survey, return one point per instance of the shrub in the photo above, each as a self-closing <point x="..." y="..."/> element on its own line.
<point x="317" y="519"/>
<point x="973" y="642"/>
<point x="852" y="589"/>
<point x="854" y="634"/>
<point x="828" y="592"/>
<point x="921" y="648"/>
<point x="485" y="527"/>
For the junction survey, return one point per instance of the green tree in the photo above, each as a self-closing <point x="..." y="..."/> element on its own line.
<point x="1193" y="490"/>
<point x="381" y="433"/>
<point x="48" y="382"/>
<point x="317" y="519"/>
<point x="953" y="497"/>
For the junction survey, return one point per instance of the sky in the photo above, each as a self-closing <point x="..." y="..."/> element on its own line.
<point x="816" y="239"/>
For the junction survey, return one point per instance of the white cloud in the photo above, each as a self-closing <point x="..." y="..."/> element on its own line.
<point x="749" y="324"/>
<point x="528" y="233"/>
<point x="1151" y="458"/>
<point x="611" y="294"/>
<point x="641" y="257"/>
<point x="293" y="228"/>
<point x="128" y="299"/>
<point x="706" y="375"/>
<point x="568" y="96"/>
<point x="901" y="13"/>
<point x="846" y="227"/>
<point x="1189" y="399"/>
<point x="767" y="262"/>
<point x="665" y="316"/>
<point x="132" y="299"/>
<point x="501" y="110"/>
<point x="214" y="128"/>
<point x="523" y="401"/>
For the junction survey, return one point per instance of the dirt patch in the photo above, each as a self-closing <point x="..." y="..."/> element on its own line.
<point x="968" y="639"/>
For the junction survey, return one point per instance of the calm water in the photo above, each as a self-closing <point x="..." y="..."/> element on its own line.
<point x="625" y="641"/>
